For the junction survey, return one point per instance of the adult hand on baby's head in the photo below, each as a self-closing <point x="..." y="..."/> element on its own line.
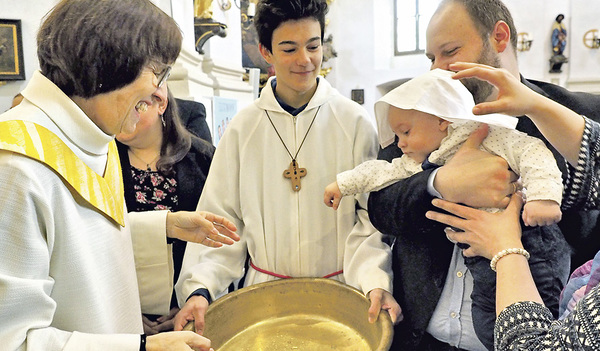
<point x="514" y="98"/>
<point x="201" y="227"/>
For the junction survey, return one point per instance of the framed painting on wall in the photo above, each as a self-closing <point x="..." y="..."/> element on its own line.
<point x="11" y="50"/>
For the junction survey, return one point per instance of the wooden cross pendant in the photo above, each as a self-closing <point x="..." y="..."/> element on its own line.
<point x="294" y="173"/>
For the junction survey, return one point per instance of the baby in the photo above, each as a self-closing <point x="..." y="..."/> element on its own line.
<point x="430" y="129"/>
<point x="431" y="115"/>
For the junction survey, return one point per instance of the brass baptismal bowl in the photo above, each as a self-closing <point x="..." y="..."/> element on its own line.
<point x="295" y="314"/>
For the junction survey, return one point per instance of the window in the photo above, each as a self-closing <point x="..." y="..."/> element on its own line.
<point x="410" y="22"/>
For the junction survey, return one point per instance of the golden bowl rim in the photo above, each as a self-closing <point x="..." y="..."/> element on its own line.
<point x="387" y="327"/>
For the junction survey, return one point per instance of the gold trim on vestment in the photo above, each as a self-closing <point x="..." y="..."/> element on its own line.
<point x="105" y="194"/>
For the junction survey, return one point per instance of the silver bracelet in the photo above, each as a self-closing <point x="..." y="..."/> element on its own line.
<point x="507" y="252"/>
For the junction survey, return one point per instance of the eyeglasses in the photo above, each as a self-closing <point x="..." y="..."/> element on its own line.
<point x="162" y="76"/>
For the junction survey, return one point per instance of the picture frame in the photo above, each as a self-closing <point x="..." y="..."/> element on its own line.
<point x="223" y="109"/>
<point x="358" y="95"/>
<point x="11" y="50"/>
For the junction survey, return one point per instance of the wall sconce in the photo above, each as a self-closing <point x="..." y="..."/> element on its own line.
<point x="591" y="39"/>
<point x="524" y="41"/>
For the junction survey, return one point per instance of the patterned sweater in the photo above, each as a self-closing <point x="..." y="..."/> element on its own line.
<point x="529" y="325"/>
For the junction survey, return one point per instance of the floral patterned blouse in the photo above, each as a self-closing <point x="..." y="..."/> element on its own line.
<point x="153" y="190"/>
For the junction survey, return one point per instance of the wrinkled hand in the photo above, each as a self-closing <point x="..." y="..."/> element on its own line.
<point x="474" y="177"/>
<point x="150" y="327"/>
<point x="193" y="310"/>
<point x="486" y="233"/>
<point x="162" y="323"/>
<point x="166" y="322"/>
<point x="177" y="341"/>
<point x="383" y="300"/>
<point x="201" y="227"/>
<point x="514" y="98"/>
<point x="332" y="196"/>
<point x="541" y="212"/>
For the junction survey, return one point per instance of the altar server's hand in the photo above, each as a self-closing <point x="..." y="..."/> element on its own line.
<point x="383" y="300"/>
<point x="193" y="310"/>
<point x="201" y="227"/>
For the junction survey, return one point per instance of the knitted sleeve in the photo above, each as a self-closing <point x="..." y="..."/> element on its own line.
<point x="530" y="326"/>
<point x="582" y="184"/>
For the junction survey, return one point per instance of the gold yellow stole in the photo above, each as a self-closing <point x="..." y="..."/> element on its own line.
<point x="105" y="194"/>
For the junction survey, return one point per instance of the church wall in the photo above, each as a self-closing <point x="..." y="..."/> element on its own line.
<point x="365" y="46"/>
<point x="30" y="17"/>
<point x="362" y="36"/>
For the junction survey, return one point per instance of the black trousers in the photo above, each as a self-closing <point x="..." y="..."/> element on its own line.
<point x="429" y="343"/>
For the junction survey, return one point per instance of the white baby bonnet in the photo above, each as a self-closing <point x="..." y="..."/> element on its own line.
<point x="436" y="93"/>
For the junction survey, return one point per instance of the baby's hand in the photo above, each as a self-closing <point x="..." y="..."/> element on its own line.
<point x="332" y="196"/>
<point x="541" y="212"/>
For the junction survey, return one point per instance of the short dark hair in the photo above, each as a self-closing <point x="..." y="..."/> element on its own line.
<point x="559" y="16"/>
<point x="485" y="14"/>
<point x="270" y="14"/>
<point x="89" y="47"/>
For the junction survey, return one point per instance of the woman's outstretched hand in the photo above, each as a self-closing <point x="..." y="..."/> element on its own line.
<point x="201" y="227"/>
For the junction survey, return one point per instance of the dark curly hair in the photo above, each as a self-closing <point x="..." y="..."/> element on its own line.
<point x="270" y="14"/>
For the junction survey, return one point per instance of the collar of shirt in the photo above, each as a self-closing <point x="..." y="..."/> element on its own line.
<point x="289" y="109"/>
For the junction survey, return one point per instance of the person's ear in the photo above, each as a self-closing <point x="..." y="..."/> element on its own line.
<point x="500" y="36"/>
<point x="444" y="125"/>
<point x="162" y="105"/>
<point x="266" y="54"/>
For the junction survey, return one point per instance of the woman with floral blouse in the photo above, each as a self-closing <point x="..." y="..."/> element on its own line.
<point x="164" y="167"/>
